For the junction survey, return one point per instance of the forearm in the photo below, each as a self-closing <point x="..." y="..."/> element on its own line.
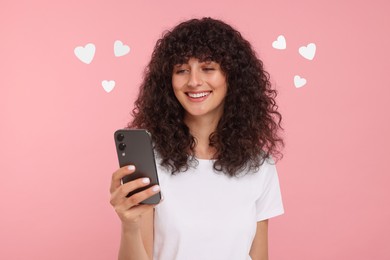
<point x="259" y="249"/>
<point x="132" y="246"/>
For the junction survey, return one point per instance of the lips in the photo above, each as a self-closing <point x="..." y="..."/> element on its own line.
<point x="198" y="94"/>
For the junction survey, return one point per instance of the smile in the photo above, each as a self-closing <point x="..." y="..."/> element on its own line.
<point x="199" y="94"/>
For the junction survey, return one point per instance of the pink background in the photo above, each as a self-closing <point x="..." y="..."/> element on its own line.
<point x="56" y="143"/>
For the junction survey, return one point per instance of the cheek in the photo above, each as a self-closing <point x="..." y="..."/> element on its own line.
<point x="176" y="89"/>
<point x="222" y="86"/>
<point x="176" y="83"/>
<point x="220" y="81"/>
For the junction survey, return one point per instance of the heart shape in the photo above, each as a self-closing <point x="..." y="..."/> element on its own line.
<point x="299" y="82"/>
<point x="86" y="53"/>
<point x="108" y="85"/>
<point x="120" y="49"/>
<point x="308" y="52"/>
<point x="280" y="43"/>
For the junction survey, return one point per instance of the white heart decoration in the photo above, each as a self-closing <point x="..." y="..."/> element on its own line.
<point x="108" y="85"/>
<point x="120" y="49"/>
<point x="86" y="53"/>
<point x="280" y="43"/>
<point x="308" y="52"/>
<point x="299" y="82"/>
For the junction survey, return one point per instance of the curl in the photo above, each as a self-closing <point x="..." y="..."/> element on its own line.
<point x="248" y="131"/>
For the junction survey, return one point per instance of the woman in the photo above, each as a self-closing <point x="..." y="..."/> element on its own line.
<point x="209" y="106"/>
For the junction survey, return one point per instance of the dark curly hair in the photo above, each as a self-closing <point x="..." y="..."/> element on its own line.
<point x="247" y="132"/>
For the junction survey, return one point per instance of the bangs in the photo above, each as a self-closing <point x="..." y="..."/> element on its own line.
<point x="185" y="52"/>
<point x="205" y="40"/>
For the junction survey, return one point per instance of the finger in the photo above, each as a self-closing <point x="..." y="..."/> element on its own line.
<point x="119" y="195"/>
<point x="137" y="198"/>
<point x="119" y="174"/>
<point x="129" y="213"/>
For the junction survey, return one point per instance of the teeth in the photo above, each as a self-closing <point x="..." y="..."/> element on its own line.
<point x="198" y="95"/>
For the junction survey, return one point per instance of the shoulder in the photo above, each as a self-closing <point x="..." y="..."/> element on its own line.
<point x="267" y="167"/>
<point x="267" y="171"/>
<point x="264" y="177"/>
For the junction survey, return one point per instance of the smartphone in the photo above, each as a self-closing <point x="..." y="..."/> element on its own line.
<point x="134" y="147"/>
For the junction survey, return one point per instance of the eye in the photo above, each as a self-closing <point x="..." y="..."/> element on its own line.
<point x="208" y="69"/>
<point x="180" y="68"/>
<point x="180" y="71"/>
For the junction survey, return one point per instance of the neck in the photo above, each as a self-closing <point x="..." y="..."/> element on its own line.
<point x="201" y="128"/>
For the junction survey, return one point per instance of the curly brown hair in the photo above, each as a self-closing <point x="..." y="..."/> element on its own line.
<point x="247" y="132"/>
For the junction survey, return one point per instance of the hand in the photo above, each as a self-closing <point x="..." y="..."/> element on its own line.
<point x="128" y="209"/>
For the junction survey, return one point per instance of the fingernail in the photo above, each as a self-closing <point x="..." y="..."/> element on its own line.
<point x="156" y="188"/>
<point x="146" y="180"/>
<point x="131" y="167"/>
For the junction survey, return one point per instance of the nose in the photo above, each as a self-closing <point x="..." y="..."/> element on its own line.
<point x="195" y="79"/>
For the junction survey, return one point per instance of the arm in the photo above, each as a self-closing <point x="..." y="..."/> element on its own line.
<point x="137" y="219"/>
<point x="138" y="243"/>
<point x="259" y="249"/>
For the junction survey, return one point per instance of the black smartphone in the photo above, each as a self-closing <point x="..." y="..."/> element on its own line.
<point x="134" y="147"/>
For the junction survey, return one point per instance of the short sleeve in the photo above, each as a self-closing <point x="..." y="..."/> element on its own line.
<point x="269" y="204"/>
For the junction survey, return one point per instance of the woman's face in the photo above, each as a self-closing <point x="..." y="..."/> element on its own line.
<point x="200" y="88"/>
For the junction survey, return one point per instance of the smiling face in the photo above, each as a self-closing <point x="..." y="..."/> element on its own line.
<point x="200" y="87"/>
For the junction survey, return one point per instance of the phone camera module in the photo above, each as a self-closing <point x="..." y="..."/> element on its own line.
<point x="122" y="146"/>
<point x="120" y="137"/>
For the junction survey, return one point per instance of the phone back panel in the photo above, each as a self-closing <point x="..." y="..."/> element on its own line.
<point x="136" y="149"/>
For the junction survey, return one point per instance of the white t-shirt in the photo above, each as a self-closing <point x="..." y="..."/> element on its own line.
<point x="208" y="215"/>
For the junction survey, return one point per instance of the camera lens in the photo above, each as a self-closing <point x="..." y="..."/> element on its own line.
<point x="120" y="137"/>
<point x="122" y="146"/>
